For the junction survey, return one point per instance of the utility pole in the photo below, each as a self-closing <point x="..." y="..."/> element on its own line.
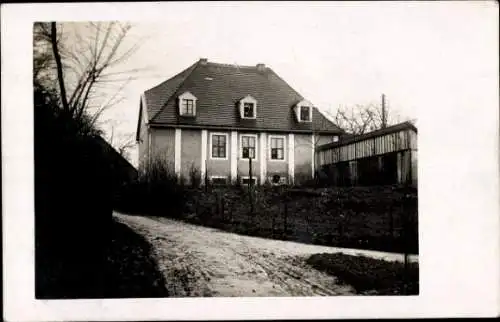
<point x="384" y="114"/>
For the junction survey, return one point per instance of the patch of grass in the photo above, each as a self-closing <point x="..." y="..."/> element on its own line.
<point x="369" y="275"/>
<point x="360" y="217"/>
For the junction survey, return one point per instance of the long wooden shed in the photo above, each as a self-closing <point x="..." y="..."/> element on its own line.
<point x="385" y="156"/>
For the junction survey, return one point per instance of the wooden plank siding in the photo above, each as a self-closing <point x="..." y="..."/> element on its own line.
<point x="394" y="142"/>
<point x="380" y="157"/>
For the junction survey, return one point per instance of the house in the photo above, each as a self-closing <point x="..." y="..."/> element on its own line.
<point x="214" y="117"/>
<point x="385" y="156"/>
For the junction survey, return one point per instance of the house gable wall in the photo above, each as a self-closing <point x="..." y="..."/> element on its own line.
<point x="163" y="145"/>
<point x="190" y="152"/>
<point x="143" y="144"/>
<point x="303" y="157"/>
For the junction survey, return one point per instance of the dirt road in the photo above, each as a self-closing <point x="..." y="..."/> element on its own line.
<point x="200" y="261"/>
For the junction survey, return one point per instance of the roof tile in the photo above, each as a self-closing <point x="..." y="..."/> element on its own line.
<point x="219" y="87"/>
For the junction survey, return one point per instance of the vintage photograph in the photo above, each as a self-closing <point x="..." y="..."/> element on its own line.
<point x="186" y="159"/>
<point x="250" y="160"/>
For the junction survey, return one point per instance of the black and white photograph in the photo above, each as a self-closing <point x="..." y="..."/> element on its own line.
<point x="251" y="150"/>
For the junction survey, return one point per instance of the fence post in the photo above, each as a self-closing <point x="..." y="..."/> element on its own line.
<point x="250" y="183"/>
<point x="285" y="213"/>
<point x="206" y="176"/>
<point x="273" y="222"/>
<point x="391" y="222"/>
<point x="405" y="241"/>
<point x="221" y="205"/>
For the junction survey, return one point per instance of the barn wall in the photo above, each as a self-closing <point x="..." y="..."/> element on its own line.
<point x="385" y="159"/>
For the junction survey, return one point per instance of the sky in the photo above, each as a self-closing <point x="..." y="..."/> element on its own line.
<point x="334" y="54"/>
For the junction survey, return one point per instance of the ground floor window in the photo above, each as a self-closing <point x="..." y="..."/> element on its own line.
<point x="219" y="145"/>
<point x="248" y="143"/>
<point x="218" y="180"/>
<point x="277" y="148"/>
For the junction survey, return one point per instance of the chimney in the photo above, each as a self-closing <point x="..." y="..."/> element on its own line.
<point x="203" y="61"/>
<point x="261" y="67"/>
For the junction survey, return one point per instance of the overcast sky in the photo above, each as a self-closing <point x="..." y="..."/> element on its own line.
<point x="332" y="53"/>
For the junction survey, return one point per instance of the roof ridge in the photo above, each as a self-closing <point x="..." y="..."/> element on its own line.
<point x="235" y="65"/>
<point x="192" y="67"/>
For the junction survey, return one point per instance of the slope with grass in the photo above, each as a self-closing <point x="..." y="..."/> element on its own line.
<point x="368" y="275"/>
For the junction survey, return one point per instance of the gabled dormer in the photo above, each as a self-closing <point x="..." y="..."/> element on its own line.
<point x="248" y="107"/>
<point x="187" y="104"/>
<point x="303" y="111"/>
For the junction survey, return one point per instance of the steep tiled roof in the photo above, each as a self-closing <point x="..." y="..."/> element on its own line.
<point x="218" y="88"/>
<point x="348" y="139"/>
<point x="157" y="96"/>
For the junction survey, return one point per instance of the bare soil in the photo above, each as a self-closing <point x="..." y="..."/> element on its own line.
<point x="201" y="261"/>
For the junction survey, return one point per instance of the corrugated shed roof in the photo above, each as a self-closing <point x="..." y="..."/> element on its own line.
<point x="345" y="140"/>
<point x="219" y="87"/>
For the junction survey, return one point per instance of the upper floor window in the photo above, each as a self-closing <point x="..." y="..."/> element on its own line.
<point x="219" y="146"/>
<point x="248" y="110"/>
<point x="277" y="148"/>
<point x="248" y="146"/>
<point x="248" y="107"/>
<point x="303" y="111"/>
<point x="187" y="107"/>
<point x="187" y="104"/>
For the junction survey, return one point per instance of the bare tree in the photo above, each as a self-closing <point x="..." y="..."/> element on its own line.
<point x="122" y="143"/>
<point x="359" y="119"/>
<point x="86" y="57"/>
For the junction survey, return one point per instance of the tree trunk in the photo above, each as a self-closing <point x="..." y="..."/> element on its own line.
<point x="57" y="58"/>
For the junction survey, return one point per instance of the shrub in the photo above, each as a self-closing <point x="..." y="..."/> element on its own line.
<point x="194" y="176"/>
<point x="368" y="274"/>
<point x="157" y="191"/>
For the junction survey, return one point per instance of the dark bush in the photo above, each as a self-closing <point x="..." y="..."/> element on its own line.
<point x="156" y="191"/>
<point x="73" y="203"/>
<point x="369" y="274"/>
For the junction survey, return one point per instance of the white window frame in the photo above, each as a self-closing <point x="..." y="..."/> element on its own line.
<point x="300" y="113"/>
<point x="248" y="99"/>
<point x="298" y="107"/>
<point x="269" y="155"/>
<point x="254" y="178"/>
<point x="256" y="146"/>
<point x="211" y="147"/>
<point x="188" y="96"/>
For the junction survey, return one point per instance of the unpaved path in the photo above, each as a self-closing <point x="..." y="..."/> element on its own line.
<point x="201" y="261"/>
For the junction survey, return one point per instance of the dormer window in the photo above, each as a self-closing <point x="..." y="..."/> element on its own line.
<point x="303" y="111"/>
<point x="187" y="107"/>
<point x="248" y="107"/>
<point x="248" y="110"/>
<point x="187" y="104"/>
